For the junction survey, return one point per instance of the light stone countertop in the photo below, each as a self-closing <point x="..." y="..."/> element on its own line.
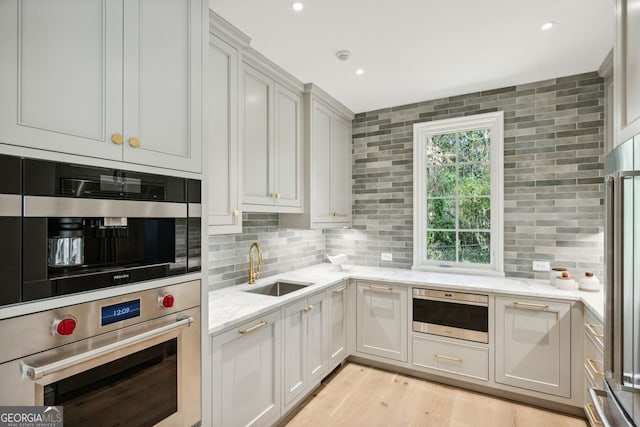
<point x="231" y="306"/>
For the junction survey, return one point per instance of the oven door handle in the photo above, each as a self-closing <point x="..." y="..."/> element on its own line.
<point x="37" y="372"/>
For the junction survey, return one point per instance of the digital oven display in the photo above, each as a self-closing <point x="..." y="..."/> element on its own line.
<point x="117" y="312"/>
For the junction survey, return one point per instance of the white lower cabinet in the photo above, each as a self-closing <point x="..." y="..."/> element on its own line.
<point x="246" y="373"/>
<point x="382" y="326"/>
<point x="533" y="345"/>
<point x="305" y="344"/>
<point x="441" y="356"/>
<point x="338" y="324"/>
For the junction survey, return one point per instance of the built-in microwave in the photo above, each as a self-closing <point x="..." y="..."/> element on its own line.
<point x="451" y="314"/>
<point x="86" y="228"/>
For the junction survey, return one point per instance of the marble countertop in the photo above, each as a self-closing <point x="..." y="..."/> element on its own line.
<point x="230" y="306"/>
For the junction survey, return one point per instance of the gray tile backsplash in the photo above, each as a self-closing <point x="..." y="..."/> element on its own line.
<point x="283" y="250"/>
<point x="553" y="175"/>
<point x="553" y="185"/>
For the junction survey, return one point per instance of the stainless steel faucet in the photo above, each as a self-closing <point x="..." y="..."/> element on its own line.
<point x="253" y="274"/>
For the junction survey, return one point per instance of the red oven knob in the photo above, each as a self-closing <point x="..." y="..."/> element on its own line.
<point x="167" y="301"/>
<point x="64" y="326"/>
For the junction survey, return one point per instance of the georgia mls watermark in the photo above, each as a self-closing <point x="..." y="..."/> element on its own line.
<point x="31" y="416"/>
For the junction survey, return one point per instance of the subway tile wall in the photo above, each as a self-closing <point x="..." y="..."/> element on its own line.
<point x="283" y="250"/>
<point x="553" y="175"/>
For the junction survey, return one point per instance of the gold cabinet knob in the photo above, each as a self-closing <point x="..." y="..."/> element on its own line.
<point x="308" y="308"/>
<point x="134" y="142"/>
<point x="117" y="139"/>
<point x="272" y="195"/>
<point x="334" y="214"/>
<point x="235" y="212"/>
<point x="277" y="195"/>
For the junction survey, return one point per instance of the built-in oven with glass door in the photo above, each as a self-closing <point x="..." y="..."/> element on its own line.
<point x="10" y="229"/>
<point x="131" y="360"/>
<point x="451" y="314"/>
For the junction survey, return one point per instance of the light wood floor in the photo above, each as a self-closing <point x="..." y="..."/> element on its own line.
<point x="364" y="396"/>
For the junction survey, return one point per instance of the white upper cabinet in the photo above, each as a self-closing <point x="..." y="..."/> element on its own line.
<point x="327" y="198"/>
<point x="272" y="144"/>
<point x="223" y="148"/>
<point x="627" y="70"/>
<point x="104" y="78"/>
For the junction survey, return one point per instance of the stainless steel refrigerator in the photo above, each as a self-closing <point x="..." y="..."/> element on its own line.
<point x="619" y="403"/>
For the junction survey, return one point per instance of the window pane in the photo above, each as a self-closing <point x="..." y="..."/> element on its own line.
<point x="474" y="180"/>
<point x="441" y="213"/>
<point x="441" y="149"/>
<point x="475" y="248"/>
<point x="441" y="181"/>
<point x="475" y="213"/>
<point x="474" y="145"/>
<point x="441" y="246"/>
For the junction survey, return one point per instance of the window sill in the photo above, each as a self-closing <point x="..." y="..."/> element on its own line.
<point x="457" y="270"/>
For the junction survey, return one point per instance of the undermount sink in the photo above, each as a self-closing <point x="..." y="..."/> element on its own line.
<point x="279" y="288"/>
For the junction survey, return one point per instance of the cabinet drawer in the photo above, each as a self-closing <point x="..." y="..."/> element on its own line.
<point x="594" y="328"/>
<point x="461" y="359"/>
<point x="589" y="408"/>
<point x="593" y="361"/>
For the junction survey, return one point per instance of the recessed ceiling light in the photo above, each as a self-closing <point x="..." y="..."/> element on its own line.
<point x="547" y="25"/>
<point x="297" y="6"/>
<point x="359" y="71"/>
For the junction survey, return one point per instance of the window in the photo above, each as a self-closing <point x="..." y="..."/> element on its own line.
<point x="458" y="180"/>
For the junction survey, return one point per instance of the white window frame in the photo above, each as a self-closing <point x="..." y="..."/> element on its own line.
<point x="495" y="122"/>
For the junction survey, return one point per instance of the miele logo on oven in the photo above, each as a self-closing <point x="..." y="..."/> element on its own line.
<point x="120" y="276"/>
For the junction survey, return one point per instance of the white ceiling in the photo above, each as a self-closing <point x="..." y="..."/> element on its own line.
<point x="417" y="50"/>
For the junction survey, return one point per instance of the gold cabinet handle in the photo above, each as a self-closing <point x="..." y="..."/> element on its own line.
<point x="235" y="212"/>
<point x="134" y="142"/>
<point x="272" y="195"/>
<point x="530" y="305"/>
<point x="380" y="288"/>
<point x="593" y="418"/>
<point x="117" y="139"/>
<point x="277" y="195"/>
<point x="592" y="328"/>
<point x="592" y="366"/>
<point x="333" y="214"/>
<point x="253" y="328"/>
<point x="453" y="359"/>
<point x="337" y="291"/>
<point x="308" y="308"/>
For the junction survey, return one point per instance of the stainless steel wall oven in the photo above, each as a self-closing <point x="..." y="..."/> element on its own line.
<point x="451" y="314"/>
<point x="86" y="228"/>
<point x="131" y="360"/>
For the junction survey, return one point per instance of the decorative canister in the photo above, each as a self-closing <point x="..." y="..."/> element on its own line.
<point x="554" y="273"/>
<point x="589" y="282"/>
<point x="565" y="282"/>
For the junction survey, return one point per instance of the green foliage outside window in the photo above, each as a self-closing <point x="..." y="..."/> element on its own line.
<point x="458" y="197"/>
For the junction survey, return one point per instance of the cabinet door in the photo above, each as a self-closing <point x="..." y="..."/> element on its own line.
<point x="61" y="75"/>
<point x="533" y="345"/>
<point x="294" y="357"/>
<point x="341" y="170"/>
<point x="382" y="327"/>
<point x="316" y="338"/>
<point x="222" y="153"/>
<point x="627" y="70"/>
<point x="337" y="325"/>
<point x="246" y="373"/>
<point x="287" y="147"/>
<point x="321" y="168"/>
<point x="163" y="83"/>
<point x="258" y="137"/>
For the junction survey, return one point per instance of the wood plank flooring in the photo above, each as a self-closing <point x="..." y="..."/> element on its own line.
<point x="364" y="396"/>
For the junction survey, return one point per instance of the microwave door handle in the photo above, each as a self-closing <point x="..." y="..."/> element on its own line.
<point x="37" y="372"/>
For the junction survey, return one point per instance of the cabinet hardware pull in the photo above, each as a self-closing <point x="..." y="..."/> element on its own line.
<point x="529" y="305"/>
<point x="380" y="288"/>
<point x="272" y="195"/>
<point x="334" y="214"/>
<point x="592" y="328"/>
<point x="308" y="308"/>
<point x="453" y="359"/>
<point x="337" y="291"/>
<point x="134" y="142"/>
<point x="117" y="139"/>
<point x="591" y="414"/>
<point x="592" y="365"/>
<point x="235" y="212"/>
<point x="277" y="195"/>
<point x="253" y="328"/>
